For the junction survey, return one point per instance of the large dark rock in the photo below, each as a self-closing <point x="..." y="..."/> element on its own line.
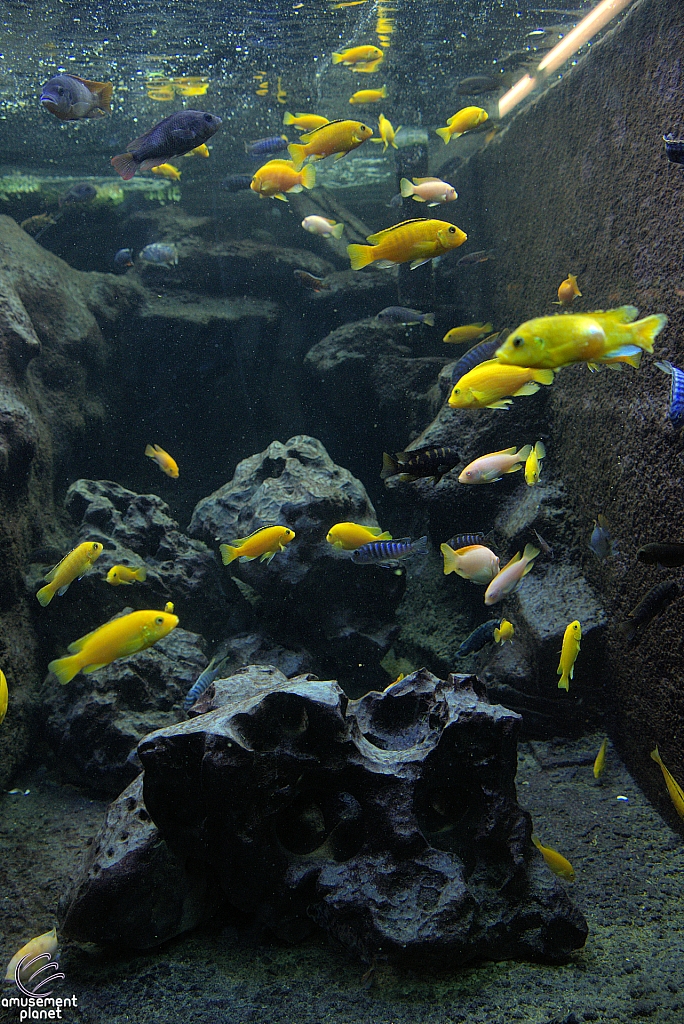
<point x="130" y="869"/>
<point x="311" y="595"/>
<point x="96" y="721"/>
<point x="392" y="821"/>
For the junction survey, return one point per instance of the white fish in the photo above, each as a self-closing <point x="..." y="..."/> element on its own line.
<point x="508" y="579"/>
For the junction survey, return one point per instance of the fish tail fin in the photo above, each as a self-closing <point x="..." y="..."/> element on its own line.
<point x="309" y="180"/>
<point x="421" y="546"/>
<point x="563" y="682"/>
<point x="337" y="230"/>
<point x="450" y="559"/>
<point x="45" y="595"/>
<point x="297" y="155"/>
<point x="65" y="668"/>
<point x="530" y="553"/>
<point x="406" y="188"/>
<point x="647" y="330"/>
<point x="445" y="134"/>
<point x="337" y="58"/>
<point x="390" y="466"/>
<point x="150" y="451"/>
<point x="524" y="452"/>
<point x="544" y="376"/>
<point x="103" y="91"/>
<point x="655" y="754"/>
<point x="429" y="319"/>
<point x="141" y="574"/>
<point x="386" y="535"/>
<point x="360" y="255"/>
<point x="540" y="450"/>
<point x="497" y="634"/>
<point x="383" y="92"/>
<point x="535" y="840"/>
<point x="288" y="118"/>
<point x="664" y="365"/>
<point x="228" y="553"/>
<point x="124" y="165"/>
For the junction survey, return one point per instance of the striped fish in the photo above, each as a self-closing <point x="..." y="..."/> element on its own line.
<point x="201" y="684"/>
<point x="479" y="638"/>
<point x="474" y="356"/>
<point x="464" y="540"/>
<point x="386" y="552"/>
<point x="676" y="412"/>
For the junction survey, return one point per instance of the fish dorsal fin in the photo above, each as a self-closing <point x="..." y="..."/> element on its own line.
<point x="388" y="231"/>
<point x="307" y="136"/>
<point x="243" y="540"/>
<point x="49" y="577"/>
<point x="514" y="559"/>
<point x="469" y="547"/>
<point x="422" y="181"/>
<point x="621" y="315"/>
<point x="79" y="644"/>
<point x="505" y="451"/>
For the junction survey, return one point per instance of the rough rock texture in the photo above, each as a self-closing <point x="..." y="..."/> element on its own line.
<point x="96" y="721"/>
<point x="54" y="322"/>
<point x="598" y="197"/>
<point x="392" y="821"/>
<point x="297" y="484"/>
<point x="137" y="530"/>
<point x="130" y="866"/>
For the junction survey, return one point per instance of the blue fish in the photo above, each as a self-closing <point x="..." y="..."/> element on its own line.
<point x="479" y="638"/>
<point x="201" y="684"/>
<point x="123" y="258"/>
<point x="601" y="543"/>
<point x="160" y="253"/>
<point x="236" y="182"/>
<point x="175" y="135"/>
<point x="385" y="552"/>
<point x="464" y="540"/>
<point x="474" y="356"/>
<point x="71" y="98"/>
<point x="676" y="412"/>
<point x="265" y="147"/>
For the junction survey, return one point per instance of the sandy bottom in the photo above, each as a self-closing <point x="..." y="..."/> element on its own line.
<point x="629" y="866"/>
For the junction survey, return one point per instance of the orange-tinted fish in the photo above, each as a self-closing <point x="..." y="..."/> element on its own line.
<point x="277" y="177"/>
<point x="163" y="460"/>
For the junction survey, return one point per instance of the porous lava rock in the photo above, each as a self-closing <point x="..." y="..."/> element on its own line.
<point x="130" y="869"/>
<point x="391" y="821"/>
<point x="96" y="721"/>
<point x="311" y="595"/>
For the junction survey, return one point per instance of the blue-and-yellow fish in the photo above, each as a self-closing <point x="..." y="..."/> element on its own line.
<point x="676" y="412"/>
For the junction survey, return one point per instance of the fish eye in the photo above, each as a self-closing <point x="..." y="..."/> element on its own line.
<point x="159" y="620"/>
<point x="517" y="342"/>
<point x="452" y="230"/>
<point x="364" y="128"/>
<point x="208" y="118"/>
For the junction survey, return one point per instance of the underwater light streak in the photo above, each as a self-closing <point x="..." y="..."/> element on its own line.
<point x="562" y="51"/>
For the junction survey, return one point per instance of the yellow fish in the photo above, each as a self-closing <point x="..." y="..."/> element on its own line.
<point x="194" y="86"/>
<point x="336" y="137"/>
<point x="600" y="762"/>
<point x="504" y="632"/>
<point x="418" y="241"/>
<point x="46" y="943"/>
<point x="167" y="171"/>
<point x="387" y="133"/>
<point x="469" y="332"/>
<point x="569" y="652"/>
<point x="263" y="89"/>
<point x="599" y="337"/>
<point x="556" y="861"/>
<point x="460" y="123"/>
<point x="116" y="639"/>
<point x="359" y="58"/>
<point x="533" y="464"/>
<point x="264" y="543"/>
<point x="487" y="469"/>
<point x="73" y="566"/>
<point x="369" y="95"/>
<point x="474" y="562"/>
<point x="4" y="696"/>
<point x="163" y="460"/>
<point x="160" y="93"/>
<point x="490" y="385"/>
<point x="509" y="577"/>
<point x="673" y="787"/>
<point x="568" y="291"/>
<point x="350" y="536"/>
<point x="202" y="150"/>
<point x="281" y="95"/>
<point x="124" y="574"/>
<point x="277" y="177"/>
<point x="305" y="122"/>
<point x="168" y="608"/>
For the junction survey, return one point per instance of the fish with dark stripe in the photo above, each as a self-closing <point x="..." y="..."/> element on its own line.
<point x="671" y="555"/>
<point x="420" y="462"/>
<point x="387" y="552"/>
<point x="479" y="638"/>
<point x="479" y="353"/>
<point x="465" y="540"/>
<point x="201" y="684"/>
<point x="676" y="412"/>
<point x="649" y="608"/>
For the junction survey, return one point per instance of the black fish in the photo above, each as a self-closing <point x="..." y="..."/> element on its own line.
<point x="474" y="85"/>
<point x="474" y="356"/>
<point x="479" y="638"/>
<point x="669" y="555"/>
<point x="71" y="98"/>
<point x="316" y="284"/>
<point x="470" y="258"/>
<point x="405" y="316"/>
<point x="176" y="134"/>
<point x="464" y="540"/>
<point x="80" y="193"/>
<point x="123" y="258"/>
<point x="236" y="182"/>
<point x="674" y="148"/>
<point x="418" y="462"/>
<point x="649" y="608"/>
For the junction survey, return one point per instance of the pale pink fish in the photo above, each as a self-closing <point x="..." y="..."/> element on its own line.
<point x="322" y="226"/>
<point x="474" y="562"/>
<point x="490" y="468"/>
<point x="509" y="577"/>
<point x="432" y="191"/>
